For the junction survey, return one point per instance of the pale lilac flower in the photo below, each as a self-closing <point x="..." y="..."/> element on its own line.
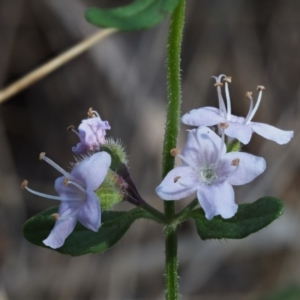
<point x="208" y="170"/>
<point x="76" y="193"/>
<point x="91" y="132"/>
<point x="240" y="128"/>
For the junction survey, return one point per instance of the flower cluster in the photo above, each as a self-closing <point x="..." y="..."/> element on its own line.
<point x="76" y="189"/>
<point x="206" y="167"/>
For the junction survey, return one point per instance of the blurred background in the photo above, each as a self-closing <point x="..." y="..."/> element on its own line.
<point x="123" y="78"/>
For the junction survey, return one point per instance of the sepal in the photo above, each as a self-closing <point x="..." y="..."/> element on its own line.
<point x="233" y="146"/>
<point x="111" y="191"/>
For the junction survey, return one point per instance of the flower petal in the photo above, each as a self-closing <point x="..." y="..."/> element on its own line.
<point x="92" y="131"/>
<point x="239" y="131"/>
<point x="179" y="183"/>
<point x="89" y="214"/>
<point x="206" y="116"/>
<point x="81" y="148"/>
<point x="272" y="133"/>
<point x="250" y="166"/>
<point x="217" y="199"/>
<point x="203" y="146"/>
<point x="92" y="170"/>
<point x="64" y="226"/>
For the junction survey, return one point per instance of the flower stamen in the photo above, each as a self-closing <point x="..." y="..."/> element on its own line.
<point x="92" y="113"/>
<point x="254" y="110"/>
<point x="58" y="198"/>
<point x="218" y="84"/>
<point x="228" y="102"/>
<point x="53" y="164"/>
<point x="55" y="216"/>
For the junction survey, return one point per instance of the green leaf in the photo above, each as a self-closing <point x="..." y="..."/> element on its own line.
<point x="251" y="217"/>
<point x="141" y="14"/>
<point x="82" y="240"/>
<point x="290" y="293"/>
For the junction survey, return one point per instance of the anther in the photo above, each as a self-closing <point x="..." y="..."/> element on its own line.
<point x="228" y="79"/>
<point x="42" y="155"/>
<point x="90" y="112"/>
<point x="235" y="162"/>
<point x="176" y="178"/>
<point x="71" y="128"/>
<point x="174" y="152"/>
<point x="24" y="184"/>
<point x="66" y="181"/>
<point x="55" y="216"/>
<point x="224" y="125"/>
<point x="260" y="88"/>
<point x="249" y="95"/>
<point x="218" y="84"/>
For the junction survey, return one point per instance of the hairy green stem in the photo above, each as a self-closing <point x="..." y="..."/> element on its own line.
<point x="170" y="141"/>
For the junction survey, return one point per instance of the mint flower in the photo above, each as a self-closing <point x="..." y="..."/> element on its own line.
<point x="91" y="133"/>
<point x="208" y="170"/>
<point x="239" y="127"/>
<point x="76" y="193"/>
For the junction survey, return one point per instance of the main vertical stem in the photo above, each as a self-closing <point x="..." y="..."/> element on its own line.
<point x="170" y="141"/>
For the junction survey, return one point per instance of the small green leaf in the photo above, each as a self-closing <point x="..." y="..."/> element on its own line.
<point x="82" y="240"/>
<point x="251" y="217"/>
<point x="141" y="14"/>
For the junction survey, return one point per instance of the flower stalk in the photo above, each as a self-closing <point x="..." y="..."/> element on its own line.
<point x="170" y="141"/>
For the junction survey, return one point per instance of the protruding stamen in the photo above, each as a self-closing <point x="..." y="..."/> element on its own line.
<point x="71" y="128"/>
<point x="176" y="178"/>
<point x="254" y="110"/>
<point x="174" y="152"/>
<point x="46" y="195"/>
<point x="42" y="155"/>
<point x="24" y="184"/>
<point x="55" y="216"/>
<point x="53" y="164"/>
<point x="92" y="113"/>
<point x="228" y="79"/>
<point x="235" y="162"/>
<point x="68" y="181"/>
<point x="224" y="125"/>
<point x="218" y="84"/>
<point x="260" y="88"/>
<point x="249" y="95"/>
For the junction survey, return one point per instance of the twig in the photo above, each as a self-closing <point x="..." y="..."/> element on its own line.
<point x="54" y="64"/>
